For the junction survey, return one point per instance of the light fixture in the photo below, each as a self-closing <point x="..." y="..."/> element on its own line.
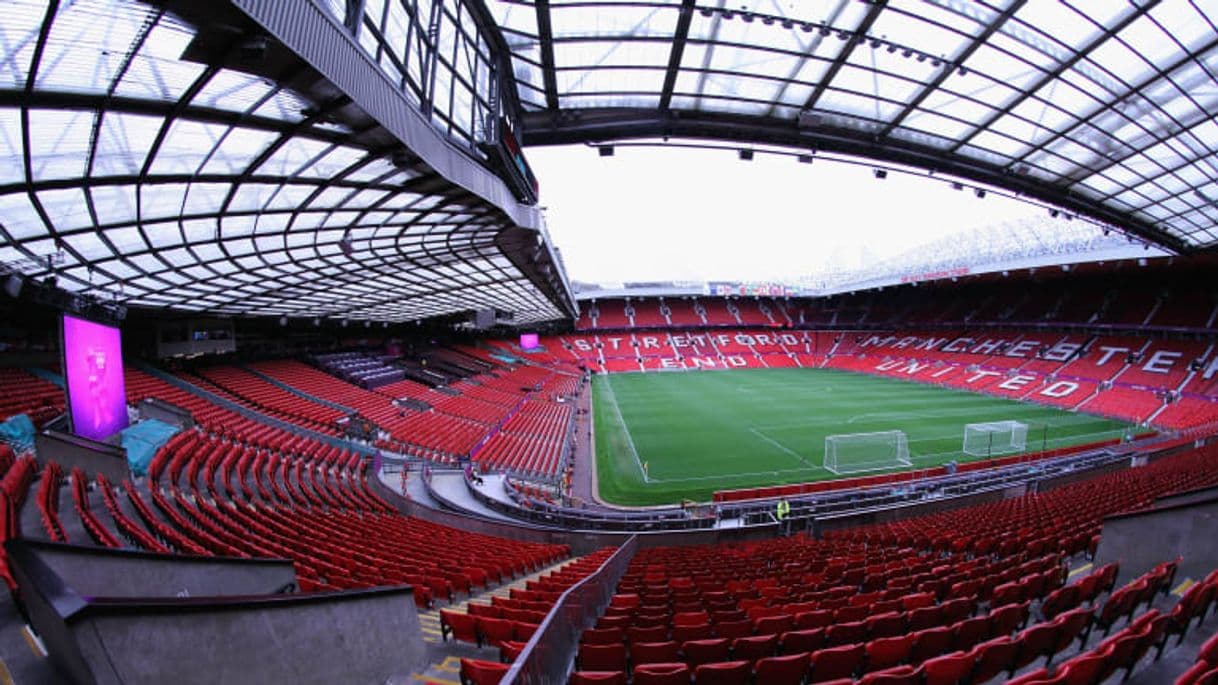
<point x="605" y="150"/>
<point x="745" y="154"/>
<point x="880" y="173"/>
<point x="980" y="192"/>
<point x="805" y="159"/>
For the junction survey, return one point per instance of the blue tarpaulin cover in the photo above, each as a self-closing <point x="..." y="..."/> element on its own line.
<point x="143" y="440"/>
<point x="18" y="432"/>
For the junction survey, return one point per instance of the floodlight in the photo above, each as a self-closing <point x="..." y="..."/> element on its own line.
<point x="880" y="173"/>
<point x="746" y="155"/>
<point x="980" y="192"/>
<point x="605" y="150"/>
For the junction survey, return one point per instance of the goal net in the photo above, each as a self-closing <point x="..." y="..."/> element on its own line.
<point x="857" y="452"/>
<point x="995" y="438"/>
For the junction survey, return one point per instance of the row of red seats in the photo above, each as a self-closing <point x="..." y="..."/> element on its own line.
<point x="16" y="475"/>
<point x="1204" y="670"/>
<point x="507" y="624"/>
<point x="273" y="399"/>
<point x="48" y="502"/>
<point x="25" y="393"/>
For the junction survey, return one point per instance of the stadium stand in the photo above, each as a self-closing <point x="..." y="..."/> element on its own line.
<point x="25" y="393"/>
<point x="945" y="593"/>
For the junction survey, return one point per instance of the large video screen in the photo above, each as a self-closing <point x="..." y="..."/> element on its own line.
<point x="93" y="363"/>
<point x="529" y="341"/>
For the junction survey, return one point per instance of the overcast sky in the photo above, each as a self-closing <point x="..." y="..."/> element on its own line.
<point x="652" y="213"/>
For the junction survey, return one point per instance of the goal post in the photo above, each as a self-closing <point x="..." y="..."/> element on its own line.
<point x="859" y="452"/>
<point x="995" y="438"/>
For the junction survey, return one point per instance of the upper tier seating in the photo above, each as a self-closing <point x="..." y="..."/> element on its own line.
<point x="1124" y="377"/>
<point x="25" y="393"/>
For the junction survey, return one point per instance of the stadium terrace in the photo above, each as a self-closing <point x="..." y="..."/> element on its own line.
<point x="663" y="342"/>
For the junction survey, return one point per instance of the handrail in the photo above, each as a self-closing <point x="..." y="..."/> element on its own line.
<point x="548" y="655"/>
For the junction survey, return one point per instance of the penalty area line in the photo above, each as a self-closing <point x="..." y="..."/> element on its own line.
<point x="782" y="447"/>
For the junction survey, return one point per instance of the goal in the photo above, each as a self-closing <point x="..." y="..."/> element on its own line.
<point x="995" y="438"/>
<point x="858" y="452"/>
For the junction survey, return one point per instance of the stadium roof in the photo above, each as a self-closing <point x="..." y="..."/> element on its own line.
<point x="1103" y="107"/>
<point x="172" y="155"/>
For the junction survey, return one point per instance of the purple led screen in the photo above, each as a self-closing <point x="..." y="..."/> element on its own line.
<point x="93" y="361"/>
<point x="528" y="341"/>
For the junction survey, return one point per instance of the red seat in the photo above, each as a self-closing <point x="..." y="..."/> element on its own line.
<point x="1083" y="669"/>
<point x="846" y="633"/>
<point x="897" y="675"/>
<point x="460" y="625"/>
<point x="887" y="652"/>
<point x="1209" y="650"/>
<point x="819" y="618"/>
<point x="782" y="670"/>
<point x="661" y="674"/>
<point x="1072" y="625"/>
<point x="602" y="657"/>
<point x="479" y="672"/>
<point x="693" y="632"/>
<point x="699" y="652"/>
<point x="602" y="636"/>
<point x="772" y="625"/>
<point x="731" y="629"/>
<point x="836" y="662"/>
<point x="646" y="634"/>
<point x="1201" y="673"/>
<point x="494" y="631"/>
<point x="958" y="609"/>
<point x="917" y="601"/>
<point x="802" y="640"/>
<point x="885" y="625"/>
<point x="753" y="648"/>
<point x="691" y="618"/>
<point x="1037" y="677"/>
<point x="654" y="652"/>
<point x="723" y="673"/>
<point x="972" y="631"/>
<point x="926" y="617"/>
<point x="931" y="643"/>
<point x="598" y="678"/>
<point x="1061" y="599"/>
<point x="1007" y="619"/>
<point x="1035" y="642"/>
<point x="950" y="669"/>
<point x="993" y="657"/>
<point x="510" y="650"/>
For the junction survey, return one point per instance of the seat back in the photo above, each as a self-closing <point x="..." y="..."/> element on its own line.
<point x="782" y="670"/>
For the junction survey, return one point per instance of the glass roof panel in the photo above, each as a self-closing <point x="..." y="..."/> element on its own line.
<point x="161" y="195"/>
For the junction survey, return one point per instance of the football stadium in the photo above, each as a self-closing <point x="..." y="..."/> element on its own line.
<point x="623" y="342"/>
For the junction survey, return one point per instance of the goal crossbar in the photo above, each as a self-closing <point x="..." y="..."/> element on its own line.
<point x="861" y="452"/>
<point x="992" y="438"/>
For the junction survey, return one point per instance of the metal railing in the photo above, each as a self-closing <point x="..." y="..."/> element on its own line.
<point x="548" y="656"/>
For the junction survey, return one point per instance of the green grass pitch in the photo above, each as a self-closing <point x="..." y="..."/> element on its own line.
<point x="703" y="431"/>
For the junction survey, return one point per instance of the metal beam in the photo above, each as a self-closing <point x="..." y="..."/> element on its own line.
<point x="949" y="67"/>
<point x="856" y="37"/>
<point x="1156" y="76"/>
<point x="545" y="35"/>
<point x="621" y="124"/>
<point x="1056" y="73"/>
<point x="677" y="52"/>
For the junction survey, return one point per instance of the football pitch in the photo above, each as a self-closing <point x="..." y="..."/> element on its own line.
<point x="664" y="437"/>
